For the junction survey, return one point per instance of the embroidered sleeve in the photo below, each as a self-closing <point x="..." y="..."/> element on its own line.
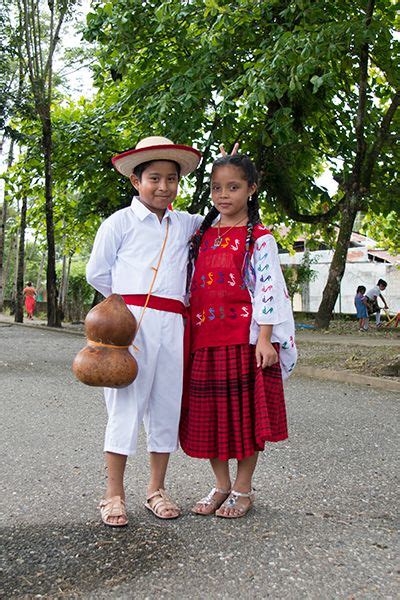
<point x="102" y="258"/>
<point x="271" y="299"/>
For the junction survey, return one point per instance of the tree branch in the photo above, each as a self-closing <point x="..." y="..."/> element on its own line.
<point x="362" y="100"/>
<point x="382" y="136"/>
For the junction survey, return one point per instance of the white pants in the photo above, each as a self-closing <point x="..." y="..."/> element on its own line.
<point x="155" y="395"/>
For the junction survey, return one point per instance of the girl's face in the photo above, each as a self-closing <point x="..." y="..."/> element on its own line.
<point x="157" y="186"/>
<point x="230" y="192"/>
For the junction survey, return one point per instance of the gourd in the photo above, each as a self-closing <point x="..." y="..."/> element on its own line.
<point x="105" y="361"/>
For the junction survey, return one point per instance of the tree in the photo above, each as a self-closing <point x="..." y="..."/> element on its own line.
<point x="40" y="30"/>
<point x="302" y="84"/>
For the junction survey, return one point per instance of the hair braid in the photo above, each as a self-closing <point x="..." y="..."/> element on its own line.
<point x="195" y="241"/>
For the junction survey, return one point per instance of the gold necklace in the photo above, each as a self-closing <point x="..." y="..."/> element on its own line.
<point x="218" y="239"/>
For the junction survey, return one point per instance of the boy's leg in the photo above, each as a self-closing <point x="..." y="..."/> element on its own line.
<point x="115" y="480"/>
<point x="242" y="483"/>
<point x="161" y="418"/>
<point x="158" y="470"/>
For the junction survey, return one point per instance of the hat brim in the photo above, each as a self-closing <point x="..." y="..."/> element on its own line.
<point x="187" y="157"/>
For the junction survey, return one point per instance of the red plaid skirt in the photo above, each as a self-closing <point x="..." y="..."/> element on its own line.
<point x="232" y="407"/>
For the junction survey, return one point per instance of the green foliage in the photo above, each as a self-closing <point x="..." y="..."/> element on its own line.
<point x="384" y="229"/>
<point x="298" y="275"/>
<point x="280" y="76"/>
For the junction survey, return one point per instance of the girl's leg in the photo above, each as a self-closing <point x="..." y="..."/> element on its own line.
<point x="242" y="483"/>
<point x="222" y="481"/>
<point x="158" y="470"/>
<point x="115" y="479"/>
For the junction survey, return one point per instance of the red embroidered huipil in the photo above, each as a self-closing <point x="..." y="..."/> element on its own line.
<point x="220" y="304"/>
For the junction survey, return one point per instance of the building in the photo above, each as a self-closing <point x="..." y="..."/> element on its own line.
<point x="365" y="265"/>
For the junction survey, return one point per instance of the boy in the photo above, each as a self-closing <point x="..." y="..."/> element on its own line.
<point x="372" y="300"/>
<point x="125" y="253"/>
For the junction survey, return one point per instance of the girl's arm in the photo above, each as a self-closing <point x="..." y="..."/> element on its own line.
<point x="266" y="355"/>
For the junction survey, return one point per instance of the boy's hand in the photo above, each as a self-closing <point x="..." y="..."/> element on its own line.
<point x="234" y="149"/>
<point x="266" y="355"/>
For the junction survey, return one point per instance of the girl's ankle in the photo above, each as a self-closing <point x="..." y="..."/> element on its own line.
<point x="226" y="486"/>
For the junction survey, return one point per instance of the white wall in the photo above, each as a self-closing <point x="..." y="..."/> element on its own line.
<point x="359" y="272"/>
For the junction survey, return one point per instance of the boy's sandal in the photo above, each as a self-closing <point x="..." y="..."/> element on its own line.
<point x="231" y="502"/>
<point x="113" y="507"/>
<point x="210" y="503"/>
<point x="161" y="504"/>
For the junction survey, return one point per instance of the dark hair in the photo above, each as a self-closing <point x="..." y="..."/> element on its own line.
<point x="382" y="282"/>
<point x="251" y="176"/>
<point x="361" y="289"/>
<point x="29" y="283"/>
<point x="138" y="170"/>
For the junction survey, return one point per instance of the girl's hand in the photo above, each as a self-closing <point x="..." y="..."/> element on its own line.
<point x="234" y="149"/>
<point x="266" y="355"/>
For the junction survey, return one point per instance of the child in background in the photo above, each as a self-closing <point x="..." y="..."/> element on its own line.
<point x="125" y="253"/>
<point x="371" y="298"/>
<point x="361" y="308"/>
<point x="242" y="339"/>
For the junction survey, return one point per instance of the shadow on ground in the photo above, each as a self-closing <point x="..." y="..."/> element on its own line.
<point x="67" y="560"/>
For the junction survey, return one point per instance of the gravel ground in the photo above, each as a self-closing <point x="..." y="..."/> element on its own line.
<point x="324" y="525"/>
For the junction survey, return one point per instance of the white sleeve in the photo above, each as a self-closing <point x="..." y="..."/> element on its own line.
<point x="271" y="304"/>
<point x="190" y="223"/>
<point x="102" y="258"/>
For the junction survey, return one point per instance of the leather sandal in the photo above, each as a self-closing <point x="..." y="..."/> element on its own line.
<point x="162" y="504"/>
<point x="113" y="507"/>
<point x="210" y="503"/>
<point x="231" y="502"/>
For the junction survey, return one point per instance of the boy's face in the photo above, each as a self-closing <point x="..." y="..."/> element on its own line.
<point x="382" y="286"/>
<point x="158" y="185"/>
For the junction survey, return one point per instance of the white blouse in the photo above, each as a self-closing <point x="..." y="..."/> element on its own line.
<point x="271" y="302"/>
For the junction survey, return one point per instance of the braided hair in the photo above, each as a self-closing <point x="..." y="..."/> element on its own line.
<point x="251" y="176"/>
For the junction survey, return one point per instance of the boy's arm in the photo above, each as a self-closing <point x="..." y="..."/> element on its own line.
<point x="102" y="258"/>
<point x="383" y="300"/>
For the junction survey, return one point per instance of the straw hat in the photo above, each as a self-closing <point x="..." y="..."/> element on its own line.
<point x="157" y="148"/>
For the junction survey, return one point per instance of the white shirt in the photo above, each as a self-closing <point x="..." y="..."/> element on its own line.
<point x="374" y="292"/>
<point x="127" y="246"/>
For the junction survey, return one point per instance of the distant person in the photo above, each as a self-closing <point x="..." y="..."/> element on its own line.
<point x="372" y="300"/>
<point x="30" y="299"/>
<point x="361" y="308"/>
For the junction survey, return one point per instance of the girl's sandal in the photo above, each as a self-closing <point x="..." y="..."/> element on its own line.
<point x="161" y="504"/>
<point x="232" y="502"/>
<point x="210" y="503"/>
<point x="113" y="507"/>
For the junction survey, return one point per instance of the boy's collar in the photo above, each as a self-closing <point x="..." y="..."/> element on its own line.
<point x="141" y="211"/>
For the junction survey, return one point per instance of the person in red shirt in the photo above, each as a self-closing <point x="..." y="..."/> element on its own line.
<point x="30" y="299"/>
<point x="241" y="339"/>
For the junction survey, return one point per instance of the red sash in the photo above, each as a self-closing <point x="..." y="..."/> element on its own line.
<point x="156" y="302"/>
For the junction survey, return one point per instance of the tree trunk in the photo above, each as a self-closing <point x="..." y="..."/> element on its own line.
<point x="3" y="227"/>
<point x="40" y="273"/>
<point x="338" y="264"/>
<point x="12" y="247"/>
<point x="53" y="313"/>
<point x="19" y="305"/>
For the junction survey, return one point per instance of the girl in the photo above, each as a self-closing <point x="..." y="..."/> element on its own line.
<point x="361" y="308"/>
<point x="242" y="339"/>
